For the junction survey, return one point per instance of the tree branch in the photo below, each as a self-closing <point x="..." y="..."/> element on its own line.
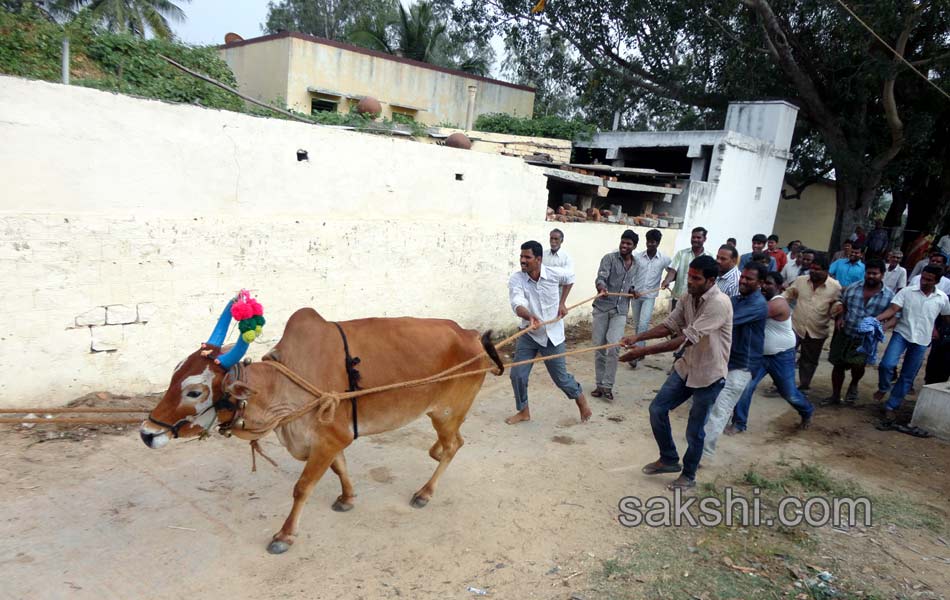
<point x="732" y="36"/>
<point x="805" y="183"/>
<point x="888" y="98"/>
<point x="627" y="71"/>
<point x="807" y="91"/>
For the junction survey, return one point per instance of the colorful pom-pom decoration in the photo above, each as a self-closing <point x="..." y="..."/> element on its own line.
<point x="249" y="314"/>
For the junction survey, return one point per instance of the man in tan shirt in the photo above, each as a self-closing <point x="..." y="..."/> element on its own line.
<point x="817" y="305"/>
<point x="701" y="326"/>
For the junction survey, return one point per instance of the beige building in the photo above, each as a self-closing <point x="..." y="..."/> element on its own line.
<point x="312" y="74"/>
<point x="809" y="218"/>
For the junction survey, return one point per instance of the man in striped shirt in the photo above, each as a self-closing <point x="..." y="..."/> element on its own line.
<point x="728" y="280"/>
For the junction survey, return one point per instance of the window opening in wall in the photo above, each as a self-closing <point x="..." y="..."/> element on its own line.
<point x="318" y="105"/>
<point x="405" y="115"/>
<point x="707" y="161"/>
<point x="758" y="194"/>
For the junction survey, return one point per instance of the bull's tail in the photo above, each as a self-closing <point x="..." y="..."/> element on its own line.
<point x="492" y="352"/>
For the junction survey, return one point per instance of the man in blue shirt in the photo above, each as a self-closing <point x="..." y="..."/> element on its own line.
<point x="749" y="314"/>
<point x="758" y="245"/>
<point x="848" y="270"/>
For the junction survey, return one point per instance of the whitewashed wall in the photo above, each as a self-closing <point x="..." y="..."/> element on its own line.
<point x="741" y="199"/>
<point x="126" y="224"/>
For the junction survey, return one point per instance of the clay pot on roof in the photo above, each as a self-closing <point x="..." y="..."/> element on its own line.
<point x="458" y="140"/>
<point x="369" y="107"/>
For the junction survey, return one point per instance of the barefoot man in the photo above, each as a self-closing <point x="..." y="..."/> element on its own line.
<point x="702" y="324"/>
<point x="538" y="294"/>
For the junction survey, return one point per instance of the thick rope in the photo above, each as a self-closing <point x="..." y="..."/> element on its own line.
<point x="326" y="402"/>
<point x="78" y="409"/>
<point x="67" y="421"/>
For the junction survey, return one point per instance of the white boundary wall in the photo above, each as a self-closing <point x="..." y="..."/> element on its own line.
<point x="126" y="224"/>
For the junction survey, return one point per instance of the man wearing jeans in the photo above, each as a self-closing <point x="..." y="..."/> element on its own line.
<point x="919" y="307"/>
<point x="701" y="326"/>
<point x="816" y="296"/>
<point x="749" y="314"/>
<point x="616" y="274"/>
<point x="538" y="294"/>
<point x="646" y="283"/>
<point x="778" y="359"/>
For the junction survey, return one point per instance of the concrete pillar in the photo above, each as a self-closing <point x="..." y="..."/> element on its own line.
<point x="66" y="60"/>
<point x="470" y="113"/>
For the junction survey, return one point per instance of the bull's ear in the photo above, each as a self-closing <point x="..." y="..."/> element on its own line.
<point x="239" y="390"/>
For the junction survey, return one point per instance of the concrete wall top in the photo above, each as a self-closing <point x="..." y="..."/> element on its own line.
<point x="770" y="121"/>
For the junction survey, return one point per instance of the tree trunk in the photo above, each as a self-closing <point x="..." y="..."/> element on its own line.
<point x="854" y="197"/>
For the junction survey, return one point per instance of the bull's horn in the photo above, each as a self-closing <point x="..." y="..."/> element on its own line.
<point x="221" y="329"/>
<point x="232" y="356"/>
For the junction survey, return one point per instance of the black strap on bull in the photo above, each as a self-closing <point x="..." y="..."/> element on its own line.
<point x="352" y="376"/>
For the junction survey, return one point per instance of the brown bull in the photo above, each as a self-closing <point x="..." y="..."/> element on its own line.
<point x="390" y="350"/>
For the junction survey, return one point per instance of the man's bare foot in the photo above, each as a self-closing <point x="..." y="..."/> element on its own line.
<point x="586" y="412"/>
<point x="878" y="396"/>
<point x="518" y="417"/>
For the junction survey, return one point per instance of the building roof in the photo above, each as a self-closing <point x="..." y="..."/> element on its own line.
<point x="382" y="55"/>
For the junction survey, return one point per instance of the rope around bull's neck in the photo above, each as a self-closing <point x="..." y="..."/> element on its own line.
<point x="325" y="403"/>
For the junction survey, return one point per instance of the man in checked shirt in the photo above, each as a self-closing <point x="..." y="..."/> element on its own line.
<point x="702" y="324"/>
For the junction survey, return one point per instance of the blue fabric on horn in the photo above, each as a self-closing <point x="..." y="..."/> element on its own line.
<point x="232" y="356"/>
<point x="221" y="329"/>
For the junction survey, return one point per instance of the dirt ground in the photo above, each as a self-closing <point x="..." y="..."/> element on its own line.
<point x="527" y="511"/>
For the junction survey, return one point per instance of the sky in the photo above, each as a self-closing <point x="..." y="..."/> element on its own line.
<point x="209" y="20"/>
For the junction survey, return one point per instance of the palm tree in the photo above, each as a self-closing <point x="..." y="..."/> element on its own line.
<point x="134" y="16"/>
<point x="420" y="33"/>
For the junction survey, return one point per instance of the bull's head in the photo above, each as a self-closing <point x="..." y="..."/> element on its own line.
<point x="195" y="397"/>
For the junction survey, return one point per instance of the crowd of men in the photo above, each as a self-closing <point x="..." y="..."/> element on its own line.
<point x="735" y="319"/>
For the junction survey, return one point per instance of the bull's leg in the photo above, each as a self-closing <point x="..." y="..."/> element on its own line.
<point x="450" y="441"/>
<point x="436" y="451"/>
<point x="321" y="457"/>
<point x="345" y="501"/>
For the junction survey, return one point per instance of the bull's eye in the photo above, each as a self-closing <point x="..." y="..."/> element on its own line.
<point x="194" y="394"/>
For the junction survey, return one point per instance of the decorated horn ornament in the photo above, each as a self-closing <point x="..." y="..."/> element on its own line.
<point x="249" y="314"/>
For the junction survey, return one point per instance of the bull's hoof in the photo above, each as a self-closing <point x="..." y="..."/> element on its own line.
<point x="341" y="506"/>
<point x="278" y="547"/>
<point x="418" y="501"/>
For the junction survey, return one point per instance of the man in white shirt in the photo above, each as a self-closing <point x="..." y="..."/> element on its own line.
<point x="944" y="243"/>
<point x="537" y="295"/>
<point x="793" y="267"/>
<point x="935" y="257"/>
<point x="895" y="276"/>
<point x="940" y="261"/>
<point x="646" y="283"/>
<point x="557" y="257"/>
<point x="919" y="307"/>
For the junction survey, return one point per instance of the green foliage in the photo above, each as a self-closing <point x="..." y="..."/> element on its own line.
<point x="31" y="46"/>
<point x="369" y="125"/>
<point x="134" y="66"/>
<point x="549" y="126"/>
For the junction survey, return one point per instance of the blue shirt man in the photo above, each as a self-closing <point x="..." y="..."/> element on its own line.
<point x="750" y="311"/>
<point x="848" y="270"/>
